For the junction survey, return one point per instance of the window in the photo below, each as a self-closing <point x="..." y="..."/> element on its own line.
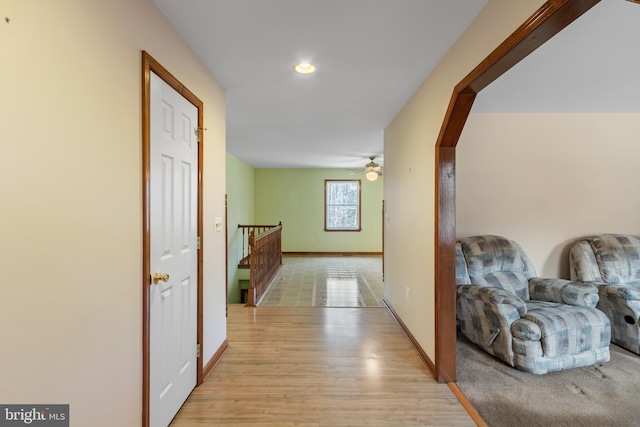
<point x="342" y="205"/>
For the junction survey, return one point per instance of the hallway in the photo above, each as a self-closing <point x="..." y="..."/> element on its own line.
<point x="313" y="366"/>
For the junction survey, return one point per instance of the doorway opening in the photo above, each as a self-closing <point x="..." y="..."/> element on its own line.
<point x="545" y="23"/>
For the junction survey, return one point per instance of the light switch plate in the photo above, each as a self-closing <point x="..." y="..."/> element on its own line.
<point x="218" y="224"/>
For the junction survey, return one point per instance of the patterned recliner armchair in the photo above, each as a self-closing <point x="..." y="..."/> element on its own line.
<point x="534" y="324"/>
<point x="612" y="262"/>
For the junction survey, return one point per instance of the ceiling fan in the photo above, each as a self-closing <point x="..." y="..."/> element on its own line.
<point x="372" y="170"/>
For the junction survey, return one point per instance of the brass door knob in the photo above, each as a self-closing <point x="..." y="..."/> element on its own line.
<point x="159" y="277"/>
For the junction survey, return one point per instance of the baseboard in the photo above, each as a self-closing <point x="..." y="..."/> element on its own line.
<point x="421" y="353"/>
<point x="214" y="360"/>
<point x="334" y="253"/>
<point x="475" y="416"/>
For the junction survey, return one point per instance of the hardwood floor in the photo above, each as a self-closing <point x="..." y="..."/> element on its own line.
<point x="319" y="366"/>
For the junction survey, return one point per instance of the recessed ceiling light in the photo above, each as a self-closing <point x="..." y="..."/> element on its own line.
<point x="304" y="68"/>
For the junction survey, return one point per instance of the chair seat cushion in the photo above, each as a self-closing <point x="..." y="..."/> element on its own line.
<point x="627" y="291"/>
<point x="568" y="329"/>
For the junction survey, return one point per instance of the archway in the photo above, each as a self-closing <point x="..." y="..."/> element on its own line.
<point x="549" y="20"/>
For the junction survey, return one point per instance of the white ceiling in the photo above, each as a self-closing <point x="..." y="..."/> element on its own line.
<point x="371" y="56"/>
<point x="592" y="66"/>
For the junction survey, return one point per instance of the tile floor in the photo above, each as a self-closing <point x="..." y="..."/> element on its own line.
<point x="327" y="281"/>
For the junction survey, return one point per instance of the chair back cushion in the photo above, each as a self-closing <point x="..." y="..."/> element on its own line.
<point x="615" y="256"/>
<point x="497" y="262"/>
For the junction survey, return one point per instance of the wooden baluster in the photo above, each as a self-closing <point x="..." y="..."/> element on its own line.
<point x="252" y="239"/>
<point x="242" y="243"/>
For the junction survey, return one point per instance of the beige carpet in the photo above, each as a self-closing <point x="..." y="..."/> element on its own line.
<point x="595" y="396"/>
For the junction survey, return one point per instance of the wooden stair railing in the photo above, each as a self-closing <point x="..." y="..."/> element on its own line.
<point x="264" y="259"/>
<point x="244" y="235"/>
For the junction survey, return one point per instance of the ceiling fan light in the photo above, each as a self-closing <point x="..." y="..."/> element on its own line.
<point x="372" y="175"/>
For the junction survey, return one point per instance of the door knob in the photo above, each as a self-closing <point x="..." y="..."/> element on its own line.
<point x="159" y="277"/>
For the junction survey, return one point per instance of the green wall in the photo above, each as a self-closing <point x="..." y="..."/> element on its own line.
<point x="296" y="197"/>
<point x="240" y="210"/>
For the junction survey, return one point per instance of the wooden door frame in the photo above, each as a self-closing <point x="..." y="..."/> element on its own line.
<point x="545" y="23"/>
<point x="151" y="65"/>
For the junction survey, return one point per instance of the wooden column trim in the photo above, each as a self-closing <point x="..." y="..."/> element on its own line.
<point x="545" y="23"/>
<point x="445" y="264"/>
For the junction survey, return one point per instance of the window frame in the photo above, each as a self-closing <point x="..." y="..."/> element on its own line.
<point x="326" y="205"/>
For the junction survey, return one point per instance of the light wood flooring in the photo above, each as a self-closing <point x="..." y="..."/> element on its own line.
<point x="319" y="366"/>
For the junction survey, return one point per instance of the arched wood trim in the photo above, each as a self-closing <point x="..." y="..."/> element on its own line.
<point x="151" y="65"/>
<point x="549" y="20"/>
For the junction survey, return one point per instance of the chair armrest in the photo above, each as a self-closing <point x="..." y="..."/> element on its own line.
<point x="526" y="330"/>
<point x="493" y="296"/>
<point x="563" y="291"/>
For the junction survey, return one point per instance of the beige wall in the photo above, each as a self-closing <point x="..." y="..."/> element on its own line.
<point x="545" y="180"/>
<point x="70" y="189"/>
<point x="409" y="168"/>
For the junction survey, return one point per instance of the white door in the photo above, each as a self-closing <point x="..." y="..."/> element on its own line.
<point x="173" y="299"/>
